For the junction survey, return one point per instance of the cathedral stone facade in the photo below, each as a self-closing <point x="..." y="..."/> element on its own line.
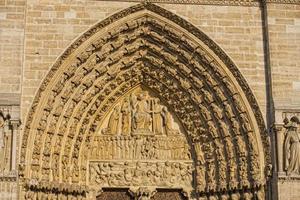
<point x="159" y="100"/>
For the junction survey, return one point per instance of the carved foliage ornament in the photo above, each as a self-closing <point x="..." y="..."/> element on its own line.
<point x="192" y="83"/>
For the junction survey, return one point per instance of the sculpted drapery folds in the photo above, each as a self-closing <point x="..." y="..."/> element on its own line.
<point x="5" y="143"/>
<point x="144" y="78"/>
<point x="126" y="117"/>
<point x="142" y="118"/>
<point x="292" y="147"/>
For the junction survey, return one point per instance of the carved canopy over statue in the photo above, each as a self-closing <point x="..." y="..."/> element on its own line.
<point x="292" y="146"/>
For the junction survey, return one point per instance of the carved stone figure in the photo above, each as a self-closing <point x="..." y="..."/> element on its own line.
<point x="225" y="129"/>
<point x="139" y="113"/>
<point x="2" y="122"/>
<point x="217" y="111"/>
<point x="142" y="193"/>
<point x="157" y="117"/>
<point x="5" y="143"/>
<point x="228" y="110"/>
<point x="114" y="121"/>
<point x="292" y="147"/>
<point x="30" y="195"/>
<point x="246" y="124"/>
<point x="142" y="118"/>
<point x="167" y="119"/>
<point x="159" y="173"/>
<point x="126" y="117"/>
<point x="212" y="129"/>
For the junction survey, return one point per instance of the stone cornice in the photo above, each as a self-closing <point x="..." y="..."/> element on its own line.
<point x="215" y="2"/>
<point x="8" y="176"/>
<point x="291" y="178"/>
<point x="284" y="1"/>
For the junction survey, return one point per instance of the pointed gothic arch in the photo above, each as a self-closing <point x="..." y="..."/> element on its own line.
<point x="148" y="47"/>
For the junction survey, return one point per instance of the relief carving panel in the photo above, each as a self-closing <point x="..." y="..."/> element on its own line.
<point x="147" y="146"/>
<point x="159" y="174"/>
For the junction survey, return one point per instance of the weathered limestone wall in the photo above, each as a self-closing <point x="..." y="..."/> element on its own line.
<point x="289" y="190"/>
<point x="284" y="29"/>
<point x="12" y="15"/>
<point x="8" y="189"/>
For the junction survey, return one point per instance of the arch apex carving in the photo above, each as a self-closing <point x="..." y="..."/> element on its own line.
<point x="198" y="118"/>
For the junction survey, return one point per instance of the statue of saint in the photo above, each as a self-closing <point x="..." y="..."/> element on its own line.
<point x="133" y="104"/>
<point x="126" y="117"/>
<point x="114" y="121"/>
<point x="2" y="121"/>
<point x="157" y="117"/>
<point x="142" y="117"/>
<point x="167" y="119"/>
<point x="292" y="147"/>
<point x="3" y="144"/>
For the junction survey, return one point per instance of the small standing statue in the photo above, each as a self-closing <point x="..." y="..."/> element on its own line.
<point x="167" y="121"/>
<point x="292" y="147"/>
<point x="2" y="122"/>
<point x="157" y="117"/>
<point x="142" y="117"/>
<point x="114" y="121"/>
<point x="4" y="143"/>
<point x="126" y="117"/>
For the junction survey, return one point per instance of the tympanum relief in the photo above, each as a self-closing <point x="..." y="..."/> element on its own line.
<point x="147" y="146"/>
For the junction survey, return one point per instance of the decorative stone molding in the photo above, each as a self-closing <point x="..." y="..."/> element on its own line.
<point x="8" y="177"/>
<point x="79" y="107"/>
<point x="216" y="2"/>
<point x="284" y="1"/>
<point x="142" y="193"/>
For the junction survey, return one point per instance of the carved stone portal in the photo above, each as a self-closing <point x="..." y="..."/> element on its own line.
<point x="92" y="127"/>
<point x="147" y="146"/>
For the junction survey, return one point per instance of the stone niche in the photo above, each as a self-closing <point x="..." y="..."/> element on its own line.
<point x="288" y="154"/>
<point x="141" y="143"/>
<point x="288" y="146"/>
<point x="9" y="130"/>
